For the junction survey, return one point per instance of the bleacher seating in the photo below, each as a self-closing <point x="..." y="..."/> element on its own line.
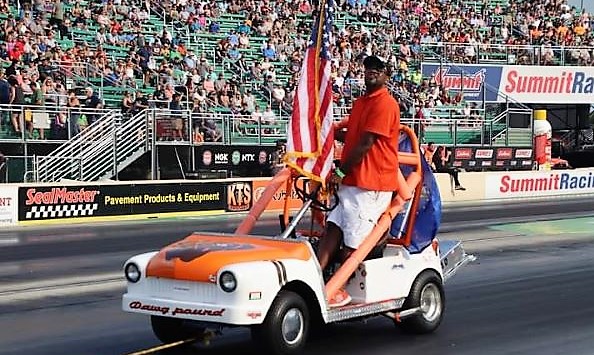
<point x="406" y="45"/>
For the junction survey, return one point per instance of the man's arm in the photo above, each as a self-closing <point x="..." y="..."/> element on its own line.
<point x="356" y="155"/>
<point x="339" y="135"/>
<point x="339" y="129"/>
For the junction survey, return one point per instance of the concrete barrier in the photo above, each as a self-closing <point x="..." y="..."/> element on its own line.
<point x="70" y="202"/>
<point x="517" y="184"/>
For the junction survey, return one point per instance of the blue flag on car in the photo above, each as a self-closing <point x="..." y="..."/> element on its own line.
<point x="429" y="209"/>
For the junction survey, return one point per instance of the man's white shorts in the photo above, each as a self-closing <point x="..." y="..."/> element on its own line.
<point x="357" y="212"/>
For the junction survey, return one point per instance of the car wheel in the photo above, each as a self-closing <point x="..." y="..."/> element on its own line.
<point x="286" y="326"/>
<point x="426" y="293"/>
<point x="171" y="330"/>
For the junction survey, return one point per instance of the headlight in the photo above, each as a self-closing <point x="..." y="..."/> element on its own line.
<point x="132" y="272"/>
<point x="227" y="281"/>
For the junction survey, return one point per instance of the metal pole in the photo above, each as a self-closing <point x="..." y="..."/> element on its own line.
<point x="26" y="151"/>
<point x="484" y="115"/>
<point x="260" y="130"/>
<point x="146" y="132"/>
<point x="190" y="125"/>
<point x="80" y="162"/>
<point x="157" y="163"/>
<point x="506" y="120"/>
<point x="154" y="148"/>
<point x="285" y="234"/>
<point x="115" y="149"/>
<point x="455" y="135"/>
<point x="5" y="164"/>
<point x="193" y="157"/>
<point x="491" y="133"/>
<point x="507" y="130"/>
<point x="462" y="83"/>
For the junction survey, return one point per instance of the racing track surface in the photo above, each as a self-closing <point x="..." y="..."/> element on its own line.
<point x="529" y="292"/>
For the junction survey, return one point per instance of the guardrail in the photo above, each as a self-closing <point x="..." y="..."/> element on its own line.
<point x="60" y="124"/>
<point x="485" y="53"/>
<point x="114" y="141"/>
<point x="51" y="122"/>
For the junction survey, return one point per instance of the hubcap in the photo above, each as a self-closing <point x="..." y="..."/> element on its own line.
<point x="292" y="326"/>
<point x="431" y="302"/>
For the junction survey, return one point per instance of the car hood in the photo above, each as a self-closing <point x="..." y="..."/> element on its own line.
<point x="199" y="257"/>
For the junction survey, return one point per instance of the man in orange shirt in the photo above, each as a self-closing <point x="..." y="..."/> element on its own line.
<point x="368" y="171"/>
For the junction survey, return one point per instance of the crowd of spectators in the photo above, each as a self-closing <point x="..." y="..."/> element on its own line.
<point x="37" y="49"/>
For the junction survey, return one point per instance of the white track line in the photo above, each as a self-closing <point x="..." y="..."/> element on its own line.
<point x="66" y="286"/>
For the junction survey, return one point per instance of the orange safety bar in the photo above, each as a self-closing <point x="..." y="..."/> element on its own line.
<point x="259" y="206"/>
<point x="407" y="190"/>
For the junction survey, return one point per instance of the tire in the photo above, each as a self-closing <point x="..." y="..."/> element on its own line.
<point x="427" y="293"/>
<point x="286" y="326"/>
<point x="170" y="330"/>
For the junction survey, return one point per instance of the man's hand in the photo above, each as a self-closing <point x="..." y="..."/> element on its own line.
<point x="335" y="179"/>
<point x="340" y="135"/>
<point x="340" y="129"/>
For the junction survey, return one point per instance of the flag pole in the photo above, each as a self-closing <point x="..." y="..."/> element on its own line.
<point x="321" y="20"/>
<point x="309" y="131"/>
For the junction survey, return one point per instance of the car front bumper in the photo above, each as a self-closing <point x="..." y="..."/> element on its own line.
<point x="202" y="312"/>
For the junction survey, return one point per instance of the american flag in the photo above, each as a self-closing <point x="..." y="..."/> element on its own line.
<point x="310" y="141"/>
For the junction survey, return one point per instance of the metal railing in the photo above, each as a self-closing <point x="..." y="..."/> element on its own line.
<point x="50" y="122"/>
<point x="500" y="129"/>
<point x="115" y="141"/>
<point x="485" y="53"/>
<point x="14" y="168"/>
<point x="89" y="145"/>
<point x="129" y="139"/>
<point x="77" y="74"/>
<point x="230" y="128"/>
<point x="109" y="145"/>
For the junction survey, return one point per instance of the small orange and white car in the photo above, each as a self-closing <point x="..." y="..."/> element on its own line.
<point x="275" y="286"/>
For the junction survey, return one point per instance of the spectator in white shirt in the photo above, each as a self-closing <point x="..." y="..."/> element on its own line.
<point x="268" y="115"/>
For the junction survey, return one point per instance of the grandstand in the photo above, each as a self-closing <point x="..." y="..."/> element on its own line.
<point x="236" y="64"/>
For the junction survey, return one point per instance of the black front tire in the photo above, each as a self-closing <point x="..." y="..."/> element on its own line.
<point x="286" y="326"/>
<point x="171" y="330"/>
<point x="426" y="292"/>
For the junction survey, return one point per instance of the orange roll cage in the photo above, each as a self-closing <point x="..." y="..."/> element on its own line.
<point x="408" y="190"/>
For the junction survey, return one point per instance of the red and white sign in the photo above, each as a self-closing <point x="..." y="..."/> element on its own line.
<point x="548" y="85"/>
<point x="483" y="154"/>
<point x="8" y="205"/>
<point x="463" y="153"/>
<point x="539" y="183"/>
<point x="504" y="153"/>
<point x="523" y="154"/>
<point x="522" y="83"/>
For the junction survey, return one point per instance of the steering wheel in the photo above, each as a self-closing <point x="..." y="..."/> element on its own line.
<point x="316" y="198"/>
